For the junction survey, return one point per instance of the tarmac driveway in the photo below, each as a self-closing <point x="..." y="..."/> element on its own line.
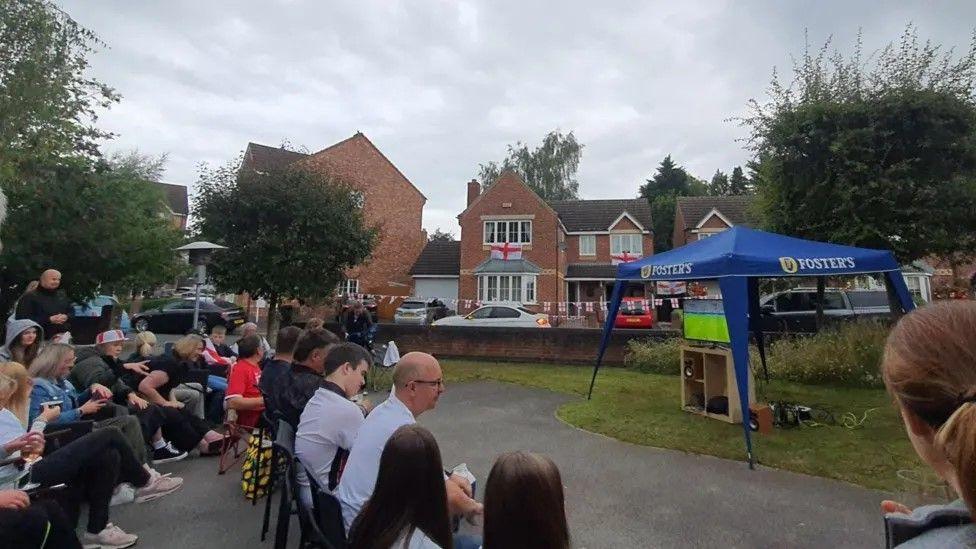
<point x="617" y="494"/>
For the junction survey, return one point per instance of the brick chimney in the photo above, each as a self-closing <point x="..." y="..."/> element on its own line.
<point x="474" y="189"/>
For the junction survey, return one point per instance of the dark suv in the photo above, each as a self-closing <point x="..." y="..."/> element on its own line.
<point x="796" y="310"/>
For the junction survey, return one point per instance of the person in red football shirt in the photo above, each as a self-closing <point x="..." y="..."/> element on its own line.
<point x="243" y="394"/>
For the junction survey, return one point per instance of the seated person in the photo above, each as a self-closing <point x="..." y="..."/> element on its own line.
<point x="417" y="384"/>
<point x="145" y="350"/>
<point x="357" y="323"/>
<point x="102" y="366"/>
<point x="243" y="395"/>
<point x="515" y="521"/>
<point x="34" y="524"/>
<point x="218" y="335"/>
<point x="24" y="339"/>
<point x="249" y="329"/>
<point x="166" y="372"/>
<point x="91" y="465"/>
<point x="293" y="391"/>
<point x="330" y="421"/>
<point x="408" y="509"/>
<point x="272" y="368"/>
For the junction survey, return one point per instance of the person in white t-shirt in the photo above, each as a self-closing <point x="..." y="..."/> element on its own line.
<point x="408" y="509"/>
<point x="417" y="384"/>
<point x="330" y="421"/>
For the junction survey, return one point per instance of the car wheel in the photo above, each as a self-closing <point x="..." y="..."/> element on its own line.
<point x="141" y="325"/>
<point x="202" y="326"/>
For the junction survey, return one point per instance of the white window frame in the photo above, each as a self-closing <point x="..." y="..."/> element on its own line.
<point x="590" y="249"/>
<point x="507" y="288"/>
<point x="498" y="231"/>
<point x="359" y="199"/>
<point x="349" y="286"/>
<point x="617" y="246"/>
<point x="703" y="234"/>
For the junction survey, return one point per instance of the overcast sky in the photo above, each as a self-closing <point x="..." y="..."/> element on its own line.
<point x="440" y="87"/>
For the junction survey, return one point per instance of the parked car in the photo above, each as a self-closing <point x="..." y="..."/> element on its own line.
<point x="498" y="315"/>
<point x="796" y="310"/>
<point x="634" y="313"/>
<point x="177" y="317"/>
<point x="415" y="310"/>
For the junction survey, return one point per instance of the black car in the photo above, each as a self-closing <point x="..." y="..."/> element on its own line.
<point x="177" y="317"/>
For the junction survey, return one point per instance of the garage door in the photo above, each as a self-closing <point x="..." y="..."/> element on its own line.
<point x="441" y="288"/>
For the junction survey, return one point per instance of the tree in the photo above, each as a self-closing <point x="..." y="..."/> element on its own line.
<point x="48" y="104"/>
<point x="440" y="236"/>
<point x="719" y="186"/>
<point x="661" y="191"/>
<point x="881" y="156"/>
<point x="549" y="170"/>
<point x="290" y="233"/>
<point x="738" y="184"/>
<point x="103" y="226"/>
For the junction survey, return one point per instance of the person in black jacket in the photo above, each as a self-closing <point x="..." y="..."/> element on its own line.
<point x="47" y="305"/>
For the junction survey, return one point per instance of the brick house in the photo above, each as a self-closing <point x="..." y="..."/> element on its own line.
<point x="698" y="217"/>
<point x="176" y="202"/>
<point x="566" y="246"/>
<point x="390" y="201"/>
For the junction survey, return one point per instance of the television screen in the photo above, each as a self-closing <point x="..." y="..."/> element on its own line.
<point x="704" y="320"/>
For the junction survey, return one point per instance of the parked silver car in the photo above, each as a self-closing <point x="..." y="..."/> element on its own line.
<point x="415" y="310"/>
<point x="498" y="315"/>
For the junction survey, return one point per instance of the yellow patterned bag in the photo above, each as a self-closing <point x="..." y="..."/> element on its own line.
<point x="256" y="469"/>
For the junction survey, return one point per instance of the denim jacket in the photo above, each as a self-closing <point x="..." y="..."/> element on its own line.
<point x="47" y="390"/>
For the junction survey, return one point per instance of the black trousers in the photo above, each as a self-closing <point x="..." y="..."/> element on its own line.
<point x="91" y="466"/>
<point x="43" y="524"/>
<point x="180" y="427"/>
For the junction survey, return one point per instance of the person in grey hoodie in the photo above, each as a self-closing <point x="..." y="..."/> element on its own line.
<point x="929" y="367"/>
<point x="24" y="338"/>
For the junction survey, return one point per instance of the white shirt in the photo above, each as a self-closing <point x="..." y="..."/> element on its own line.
<point x="359" y="477"/>
<point x="326" y="432"/>
<point x="418" y="540"/>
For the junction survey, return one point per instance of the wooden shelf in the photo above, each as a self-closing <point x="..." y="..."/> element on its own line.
<point x="713" y="376"/>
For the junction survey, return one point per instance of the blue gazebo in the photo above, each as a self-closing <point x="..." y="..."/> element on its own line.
<point x="738" y="258"/>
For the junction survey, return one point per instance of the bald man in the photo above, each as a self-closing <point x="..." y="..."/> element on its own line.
<point x="417" y="385"/>
<point x="47" y="305"/>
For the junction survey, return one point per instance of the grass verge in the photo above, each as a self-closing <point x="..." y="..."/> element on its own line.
<point x="643" y="409"/>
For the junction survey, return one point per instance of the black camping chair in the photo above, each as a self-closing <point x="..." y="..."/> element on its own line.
<point x="311" y="535"/>
<point x="327" y="515"/>
<point x="278" y="466"/>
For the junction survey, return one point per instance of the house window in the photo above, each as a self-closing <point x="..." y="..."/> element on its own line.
<point x="516" y="288"/>
<point x="629" y="243"/>
<point x="702" y="235"/>
<point x="358" y="199"/>
<point x="587" y="244"/>
<point x="350" y="286"/>
<point x="516" y="232"/>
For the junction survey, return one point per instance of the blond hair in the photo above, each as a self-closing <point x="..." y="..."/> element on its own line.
<point x="930" y="368"/>
<point x="186" y="345"/>
<point x="145" y="342"/>
<point x="49" y="360"/>
<point x="15" y="389"/>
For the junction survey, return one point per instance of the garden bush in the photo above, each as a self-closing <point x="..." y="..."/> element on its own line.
<point x="848" y="354"/>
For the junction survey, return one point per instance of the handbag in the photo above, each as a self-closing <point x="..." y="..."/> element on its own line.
<point x="256" y="469"/>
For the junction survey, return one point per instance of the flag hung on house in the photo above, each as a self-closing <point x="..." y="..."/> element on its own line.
<point x="506" y="251"/>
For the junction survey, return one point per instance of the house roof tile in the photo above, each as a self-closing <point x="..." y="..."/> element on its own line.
<point x="734" y="208"/>
<point x="597" y="215"/>
<point x="176" y="198"/>
<point x="262" y="158"/>
<point x="439" y="257"/>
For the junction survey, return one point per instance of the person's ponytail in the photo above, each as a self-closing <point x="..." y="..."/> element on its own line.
<point x="145" y="350"/>
<point x="957" y="437"/>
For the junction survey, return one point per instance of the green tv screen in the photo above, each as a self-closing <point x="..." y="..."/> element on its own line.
<point x="704" y="320"/>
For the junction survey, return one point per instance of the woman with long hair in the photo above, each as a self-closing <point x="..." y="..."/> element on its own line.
<point x="145" y="347"/>
<point x="23" y="341"/>
<point x="524" y="505"/>
<point x="408" y="508"/>
<point x="929" y="367"/>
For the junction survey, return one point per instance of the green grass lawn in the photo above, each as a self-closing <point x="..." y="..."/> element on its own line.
<point x="644" y="409"/>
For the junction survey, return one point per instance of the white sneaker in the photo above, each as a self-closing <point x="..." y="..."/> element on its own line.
<point x="157" y="487"/>
<point x="112" y="537"/>
<point x="124" y="493"/>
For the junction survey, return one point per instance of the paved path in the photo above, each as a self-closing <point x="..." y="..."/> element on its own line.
<point x="617" y="494"/>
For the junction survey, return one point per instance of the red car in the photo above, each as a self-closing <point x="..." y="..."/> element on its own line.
<point x="634" y="312"/>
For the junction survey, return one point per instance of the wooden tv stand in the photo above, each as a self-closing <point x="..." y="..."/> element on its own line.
<point x="713" y="374"/>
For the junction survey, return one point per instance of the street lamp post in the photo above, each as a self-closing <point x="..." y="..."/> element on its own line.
<point x="199" y="255"/>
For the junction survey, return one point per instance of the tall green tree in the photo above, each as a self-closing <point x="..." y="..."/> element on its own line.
<point x="880" y="155"/>
<point x="440" y="236"/>
<point x="738" y="183"/>
<point x="661" y="191"/>
<point x="104" y="227"/>
<point x="719" y="185"/>
<point x="290" y="233"/>
<point x="48" y="103"/>
<point x="549" y="169"/>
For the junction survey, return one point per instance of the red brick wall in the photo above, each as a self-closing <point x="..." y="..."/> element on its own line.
<point x="510" y="197"/>
<point x="392" y="205"/>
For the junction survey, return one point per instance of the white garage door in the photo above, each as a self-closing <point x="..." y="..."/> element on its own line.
<point x="441" y="288"/>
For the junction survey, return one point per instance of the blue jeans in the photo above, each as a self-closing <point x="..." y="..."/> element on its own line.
<point x="467" y="541"/>
<point x="217" y="383"/>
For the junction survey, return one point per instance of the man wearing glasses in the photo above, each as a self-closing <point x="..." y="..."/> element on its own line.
<point x="417" y="385"/>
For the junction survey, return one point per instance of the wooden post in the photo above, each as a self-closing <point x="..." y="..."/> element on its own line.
<point x="821" y="284"/>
